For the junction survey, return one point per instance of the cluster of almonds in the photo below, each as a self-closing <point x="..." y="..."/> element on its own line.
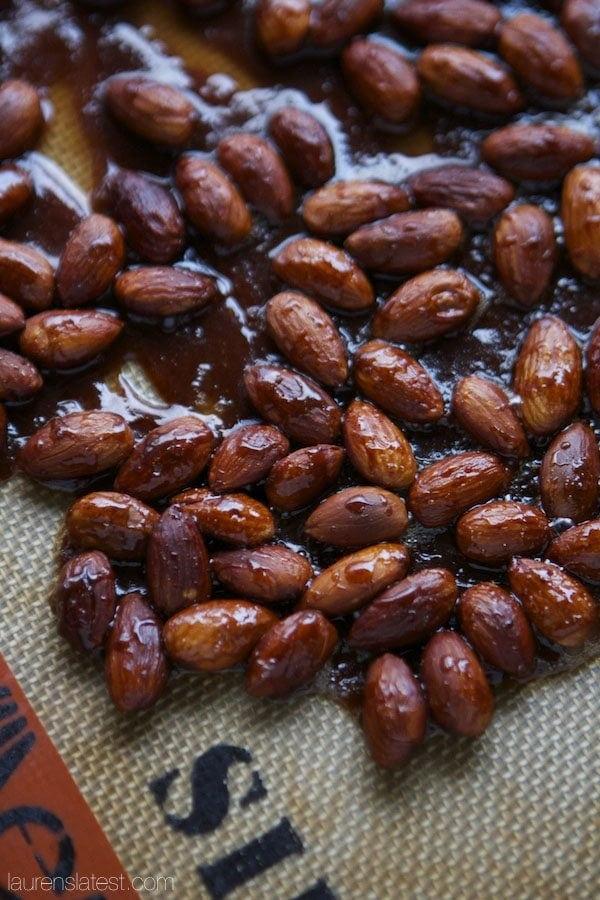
<point x="178" y="622"/>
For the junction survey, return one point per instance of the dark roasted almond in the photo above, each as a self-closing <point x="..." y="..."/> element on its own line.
<point x="497" y="627"/>
<point x="377" y="448"/>
<point x="155" y="111"/>
<point x="468" y="78"/>
<point x="570" y="474"/>
<point x="483" y="409"/>
<point x="16" y="190"/>
<point x="475" y="194"/>
<point x="581" y="21"/>
<point x="304" y="144"/>
<point x="84" y="600"/>
<point x="495" y="532"/>
<point x="342" y="206"/>
<point x="578" y="550"/>
<point x="246" y="456"/>
<point x="116" y="524"/>
<point x="301" y="477"/>
<point x="270" y="573"/>
<point x="176" y="562"/>
<point x="525" y="252"/>
<point x="260" y="173"/>
<point x="282" y="25"/>
<point x="92" y="256"/>
<point x="19" y="378"/>
<point x="212" y="201"/>
<point x="233" y="518"/>
<point x="58" y="339"/>
<point x="21" y="117"/>
<point x="470" y="22"/>
<point x="580" y="211"/>
<point x="532" y="152"/>
<point x="357" y="516"/>
<point x="26" y="276"/>
<point x="382" y="79"/>
<point x="164" y="290"/>
<point x="12" y="317"/>
<point x="541" y="56"/>
<point x="334" y="21"/>
<point x="593" y="368"/>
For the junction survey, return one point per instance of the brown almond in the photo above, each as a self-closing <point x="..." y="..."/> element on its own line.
<point x="136" y="667"/>
<point x="282" y="25"/>
<point x="116" y="524"/>
<point x="212" y="202"/>
<point x="407" y="612"/>
<point x="548" y="376"/>
<point x="570" y="474"/>
<point x="581" y="21"/>
<point x="320" y="268"/>
<point x="464" y="77"/>
<point x="301" y="477"/>
<point x="19" y="378"/>
<point x="260" y="173"/>
<point x="84" y="600"/>
<point x="394" y="712"/>
<point x="26" y="276"/>
<point x="541" y="56"/>
<point x="12" y="317"/>
<point x="341" y="207"/>
<point x="445" y="489"/>
<point x="246" y="456"/>
<point x="92" y="256"/>
<point x="16" y="190"/>
<point x="154" y="111"/>
<point x="578" y="550"/>
<point x="269" y="573"/>
<point x="350" y="582"/>
<point x="164" y="290"/>
<point x="307" y="335"/>
<point x="56" y="339"/>
<point x="580" y="211"/>
<point x="383" y="81"/>
<point x="304" y="144"/>
<point x="593" y="367"/>
<point x="495" y="532"/>
<point x="470" y="22"/>
<point x="21" y="117"/>
<point x="536" y="152"/>
<point x="176" y="562"/>
<point x="290" y="654"/>
<point x="377" y="448"/>
<point x="408" y="242"/>
<point x="356" y="517"/>
<point x="334" y="21"/>
<point x="525" y="252"/>
<point x="475" y="194"/>
<point x="233" y="518"/>
<point x="558" y="605"/>
<point x="77" y="445"/>
<point x="394" y="380"/>
<point x="498" y="629"/>
<point x="483" y="409"/>
<point x="459" y="695"/>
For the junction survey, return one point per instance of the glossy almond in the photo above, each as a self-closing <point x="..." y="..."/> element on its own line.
<point x="342" y="206"/>
<point x="232" y="518"/>
<point x="458" y="692"/>
<point x="167" y="459"/>
<point x="246" y="456"/>
<point x="593" y="368"/>
<point x="21" y="117"/>
<point x="470" y="22"/>
<point x="382" y="79"/>
<point x="19" y="378"/>
<point x="531" y="152"/>
<point x="445" y="489"/>
<point x="164" y="290"/>
<point x="357" y="516"/>
<point x="548" y="376"/>
<point x="394" y="712"/>
<point x="307" y="335"/>
<point x="570" y="474"/>
<point x="394" y="380"/>
<point x="525" y="252"/>
<point x="301" y="477"/>
<point x="541" y="56"/>
<point x="260" y="173"/>
<point x="484" y="410"/>
<point x="157" y="112"/>
<point x="581" y="21"/>
<point x="212" y="201"/>
<point x="304" y="144"/>
<point x="84" y="600"/>
<point x="176" y="563"/>
<point x="350" y="582"/>
<point x="427" y="307"/>
<point x="558" y="605"/>
<point x="578" y="550"/>
<point x="290" y="654"/>
<point x="495" y="532"/>
<point x="334" y="21"/>
<point x="270" y="573"/>
<point x="16" y="190"/>
<point x="407" y="612"/>
<point x="464" y="77"/>
<point x="26" y="276"/>
<point x="580" y="211"/>
<point x="408" y="242"/>
<point x="12" y="317"/>
<point x="320" y="268"/>
<point x="497" y="627"/>
<point x="116" y="524"/>
<point x="57" y="339"/>
<point x="377" y="448"/>
<point x="282" y="25"/>
<point x="92" y="256"/>
<point x="77" y="445"/>
<point x="475" y="194"/>
<point x="294" y="402"/>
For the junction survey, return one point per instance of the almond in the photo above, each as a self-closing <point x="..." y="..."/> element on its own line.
<point x="334" y="21"/>
<point x="232" y="518"/>
<point x="541" y="56"/>
<point x="445" y="489"/>
<point x="394" y="712"/>
<point x="377" y="448"/>
<point x="116" y="524"/>
<point x="357" y="516"/>
<point x="496" y="625"/>
<point x="570" y="474"/>
<point x="427" y="306"/>
<point x="290" y="654"/>
<point x="384" y="82"/>
<point x="536" y="152"/>
<point x="16" y="190"/>
<point x="548" y="376"/>
<point x="397" y="382"/>
<point x="84" y="600"/>
<point x="26" y="275"/>
<point x="301" y="477"/>
<point x="581" y="21"/>
<point x="212" y="202"/>
<point x="558" y="605"/>
<point x="92" y="256"/>
<point x="136" y="667"/>
<point x="176" y="563"/>
<point x="156" y="112"/>
<point x="341" y="207"/>
<point x="304" y="144"/>
<point x="593" y="367"/>
<point x="483" y="409"/>
<point x="578" y="549"/>
<point x="581" y="218"/>
<point x="308" y="337"/>
<point x="65" y="340"/>
<point x="464" y="77"/>
<point x="495" y="532"/>
<point x="525" y="252"/>
<point x="353" y="580"/>
<point x="320" y="268"/>
<point x="475" y="194"/>
<point x="21" y="117"/>
<point x="408" y="242"/>
<point x="77" y="445"/>
<point x="260" y="173"/>
<point x="294" y="402"/>
<point x="246" y="456"/>
<point x="459" y="695"/>
<point x="19" y="378"/>
<point x="269" y="573"/>
<point x="282" y="25"/>
<point x="12" y="317"/>
<point x="470" y="22"/>
<point x="164" y="290"/>
<point x="167" y="459"/>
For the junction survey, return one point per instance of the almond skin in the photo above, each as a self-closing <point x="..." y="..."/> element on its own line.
<point x="408" y="242"/>
<point x="475" y="194"/>
<point x="341" y="207"/>
<point x="377" y="448"/>
<point x="167" y="459"/>
<point x="335" y="21"/>
<point x="26" y="276"/>
<point x="16" y="190"/>
<point x="498" y="629"/>
<point x="570" y="474"/>
<point x="156" y="112"/>
<point x="282" y="25"/>
<point x="593" y="368"/>
<point x="483" y="409"/>
<point x="64" y="340"/>
<point x="232" y="518"/>
<point x="320" y="268"/>
<point x="525" y="252"/>
<point x="12" y="317"/>
<point x="464" y="77"/>
<point x="581" y="21"/>
<point x="580" y="211"/>
<point x="357" y="516"/>
<point x="536" y="152"/>
<point x="495" y="532"/>
<point x="212" y="202"/>
<point x="270" y="573"/>
<point x="84" y="601"/>
<point x="304" y="144"/>
<point x="21" y="117"/>
<point x="541" y="57"/>
<point x="427" y="307"/>
<point x="290" y="654"/>
<point x="301" y="477"/>
<point x="116" y="524"/>
<point x="445" y="489"/>
<point x="350" y="582"/>
<point x="470" y="22"/>
<point x="164" y="290"/>
<point x="394" y="712"/>
<point x="19" y="378"/>
<point x="176" y="563"/>
<point x="307" y="335"/>
<point x="407" y="612"/>
<point x="397" y="382"/>
<point x="136" y="667"/>
<point x="558" y="605"/>
<point x="93" y="254"/>
<point x="459" y="695"/>
<point x="578" y="550"/>
<point x="293" y="402"/>
<point x="384" y="82"/>
<point x="260" y="173"/>
<point x="548" y="376"/>
<point x="246" y="456"/>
